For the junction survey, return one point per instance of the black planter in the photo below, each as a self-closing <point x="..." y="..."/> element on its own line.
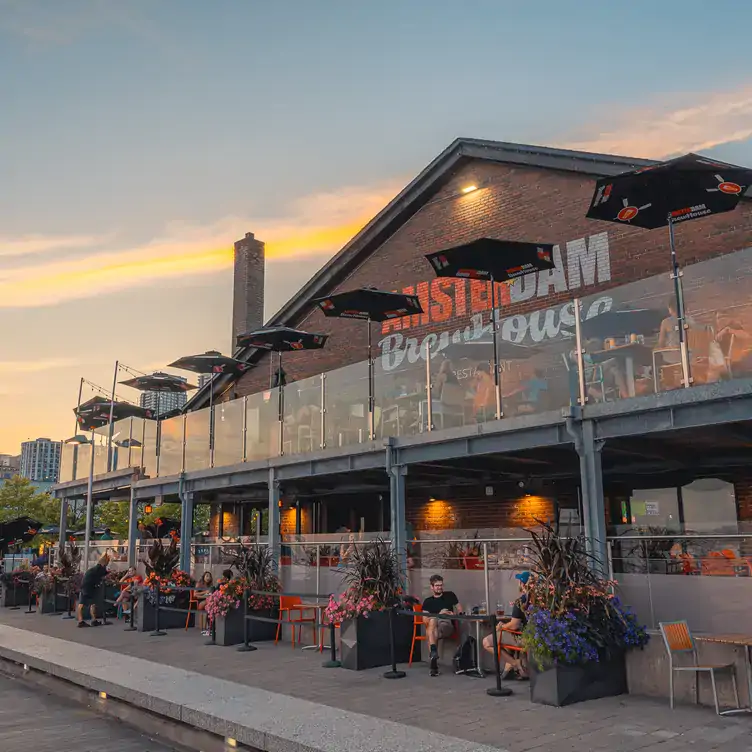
<point x="146" y="612"/>
<point x="565" y="685"/>
<point x="50" y="603"/>
<point x="365" y="641"/>
<point x="229" y="629"/>
<point x="17" y="597"/>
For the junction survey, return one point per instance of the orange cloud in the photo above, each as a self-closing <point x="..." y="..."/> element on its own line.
<point x="694" y="123"/>
<point x="318" y="224"/>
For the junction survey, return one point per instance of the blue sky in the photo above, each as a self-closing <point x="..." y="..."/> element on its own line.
<point x="138" y="139"/>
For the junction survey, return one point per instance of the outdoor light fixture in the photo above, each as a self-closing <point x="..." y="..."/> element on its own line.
<point x="103" y="695"/>
<point x="469" y="188"/>
<point x="230" y="742"/>
<point x="148" y="509"/>
<point x="26" y="666"/>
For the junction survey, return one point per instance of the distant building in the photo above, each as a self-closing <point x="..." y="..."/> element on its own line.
<point x="204" y="378"/>
<point x="40" y="460"/>
<point x="10" y="465"/>
<point x="248" y="286"/>
<point x="163" y="402"/>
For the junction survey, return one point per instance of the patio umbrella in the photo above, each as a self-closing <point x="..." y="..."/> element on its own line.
<point x="161" y="383"/>
<point x="18" y="530"/>
<point x="665" y="194"/>
<point x="623" y="323"/>
<point x="493" y="261"/>
<point x="211" y="362"/>
<point x="96" y="412"/>
<point x="369" y="304"/>
<point x="281" y="339"/>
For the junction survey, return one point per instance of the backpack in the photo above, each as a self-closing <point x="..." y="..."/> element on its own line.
<point x="464" y="658"/>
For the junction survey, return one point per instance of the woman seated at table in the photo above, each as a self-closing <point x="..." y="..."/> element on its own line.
<point x="484" y="401"/>
<point x="736" y="342"/>
<point x="526" y="396"/>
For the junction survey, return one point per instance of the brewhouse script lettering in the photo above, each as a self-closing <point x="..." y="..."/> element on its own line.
<point x="588" y="262"/>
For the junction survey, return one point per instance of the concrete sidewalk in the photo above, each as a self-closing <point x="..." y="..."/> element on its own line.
<point x="278" y="698"/>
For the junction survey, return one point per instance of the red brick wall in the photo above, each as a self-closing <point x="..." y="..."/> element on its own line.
<point x="515" y="203"/>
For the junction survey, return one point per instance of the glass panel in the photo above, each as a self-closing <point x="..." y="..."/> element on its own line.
<point x="149" y="454"/>
<point x="719" y="317"/>
<point x="138" y="430"/>
<point x="262" y="425"/>
<point x="302" y="407"/>
<point x="346" y="398"/>
<point x="709" y="506"/>
<point x="631" y="354"/>
<point x="171" y="446"/>
<point x="197" y="440"/>
<point x="400" y="394"/>
<point x="100" y="455"/>
<point x="228" y="433"/>
<point x="67" y="457"/>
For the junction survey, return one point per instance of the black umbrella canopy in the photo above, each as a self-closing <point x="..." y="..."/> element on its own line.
<point x="482" y="349"/>
<point x="486" y="258"/>
<point x="678" y="190"/>
<point x="211" y="361"/>
<point x="282" y="339"/>
<point x="622" y="323"/>
<point x="159" y="382"/>
<point x="369" y="304"/>
<point x="96" y="412"/>
<point x="18" y="530"/>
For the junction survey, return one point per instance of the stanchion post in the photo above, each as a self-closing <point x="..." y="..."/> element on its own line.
<point x="212" y="633"/>
<point x="246" y="647"/>
<point x="157" y="631"/>
<point x="393" y="673"/>
<point x="69" y="615"/>
<point x="31" y="595"/>
<point x="332" y="662"/>
<point x="498" y="690"/>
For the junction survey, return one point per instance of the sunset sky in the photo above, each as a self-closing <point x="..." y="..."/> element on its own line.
<point x="139" y="139"/>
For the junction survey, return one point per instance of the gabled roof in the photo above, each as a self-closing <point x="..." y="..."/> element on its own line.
<point x="407" y="203"/>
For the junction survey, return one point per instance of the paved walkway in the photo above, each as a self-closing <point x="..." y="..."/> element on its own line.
<point x="452" y="706"/>
<point x="32" y="719"/>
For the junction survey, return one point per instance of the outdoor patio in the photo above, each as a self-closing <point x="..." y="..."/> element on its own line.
<point x="449" y="705"/>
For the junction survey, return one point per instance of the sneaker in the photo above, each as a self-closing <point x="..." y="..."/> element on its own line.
<point x="205" y="633"/>
<point x="434" y="664"/>
<point x="509" y="673"/>
<point x="96" y="623"/>
<point x="82" y="624"/>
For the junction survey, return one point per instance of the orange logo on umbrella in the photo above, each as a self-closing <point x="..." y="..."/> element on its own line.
<point x="628" y="213"/>
<point x="725" y="186"/>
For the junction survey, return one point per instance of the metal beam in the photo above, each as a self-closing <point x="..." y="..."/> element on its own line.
<point x="274" y="497"/>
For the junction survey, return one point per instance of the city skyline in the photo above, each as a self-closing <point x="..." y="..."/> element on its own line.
<point x="143" y="141"/>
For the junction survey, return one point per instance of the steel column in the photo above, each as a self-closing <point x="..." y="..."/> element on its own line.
<point x="186" y="530"/>
<point x="593" y="504"/>
<point x="132" y="527"/>
<point x="89" y="505"/>
<point x="274" y="497"/>
<point x="397" y="474"/>
<point x="63" y="529"/>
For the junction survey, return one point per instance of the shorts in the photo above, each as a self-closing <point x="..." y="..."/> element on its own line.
<point x="87" y="598"/>
<point x="446" y="629"/>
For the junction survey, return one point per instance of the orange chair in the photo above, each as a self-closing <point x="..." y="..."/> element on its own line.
<point x="510" y="647"/>
<point x="292" y="604"/>
<point x="192" y="602"/>
<point x="417" y="636"/>
<point x="678" y="639"/>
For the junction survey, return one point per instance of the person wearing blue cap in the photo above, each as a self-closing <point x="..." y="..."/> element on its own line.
<point x="513" y="656"/>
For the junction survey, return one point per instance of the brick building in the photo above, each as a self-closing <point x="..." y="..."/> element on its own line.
<point x="513" y="192"/>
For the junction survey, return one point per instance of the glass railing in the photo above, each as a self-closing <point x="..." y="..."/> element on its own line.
<point x="629" y="343"/>
<point x="67" y="462"/>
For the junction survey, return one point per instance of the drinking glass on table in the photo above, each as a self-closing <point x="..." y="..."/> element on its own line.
<point x="499" y="609"/>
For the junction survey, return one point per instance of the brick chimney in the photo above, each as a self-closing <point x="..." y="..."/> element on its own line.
<point x="248" y="286"/>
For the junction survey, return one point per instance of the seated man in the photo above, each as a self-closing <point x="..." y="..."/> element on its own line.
<point x="439" y="602"/>
<point x="513" y="663"/>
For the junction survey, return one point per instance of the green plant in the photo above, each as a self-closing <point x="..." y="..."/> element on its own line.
<point x="257" y="569"/>
<point x="374" y="570"/>
<point x="70" y="560"/>
<point x="162" y="560"/>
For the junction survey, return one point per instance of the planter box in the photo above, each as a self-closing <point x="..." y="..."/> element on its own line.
<point x="146" y="613"/>
<point x="565" y="685"/>
<point x="229" y="629"/>
<point x="17" y="597"/>
<point x="365" y="641"/>
<point x="50" y="603"/>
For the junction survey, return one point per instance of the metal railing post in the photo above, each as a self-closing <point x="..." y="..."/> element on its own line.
<point x="429" y="393"/>
<point x="183" y="443"/>
<point x="486" y="576"/>
<point x="244" y="437"/>
<point x="323" y="411"/>
<point x="580" y="351"/>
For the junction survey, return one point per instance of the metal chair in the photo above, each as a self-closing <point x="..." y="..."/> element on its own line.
<point x="678" y="639"/>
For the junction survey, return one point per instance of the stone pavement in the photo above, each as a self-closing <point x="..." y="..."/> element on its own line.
<point x="455" y="707"/>
<point x="48" y="724"/>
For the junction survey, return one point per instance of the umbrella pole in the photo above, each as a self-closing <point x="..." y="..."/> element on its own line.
<point x="281" y="416"/>
<point x="497" y="382"/>
<point x="112" y="415"/>
<point x="679" y="293"/>
<point x="158" y="432"/>
<point x="371" y="422"/>
<point x="78" y="404"/>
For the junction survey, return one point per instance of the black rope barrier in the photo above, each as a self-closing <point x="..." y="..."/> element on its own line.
<point x="393" y="673"/>
<point x="157" y="631"/>
<point x="30" y="610"/>
<point x="69" y="593"/>
<point x="246" y="647"/>
<point x="132" y="611"/>
<point x="332" y="662"/>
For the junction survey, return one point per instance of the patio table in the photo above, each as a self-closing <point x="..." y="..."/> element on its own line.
<point x="744" y="641"/>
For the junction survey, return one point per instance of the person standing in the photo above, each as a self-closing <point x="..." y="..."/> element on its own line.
<point x="93" y="579"/>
